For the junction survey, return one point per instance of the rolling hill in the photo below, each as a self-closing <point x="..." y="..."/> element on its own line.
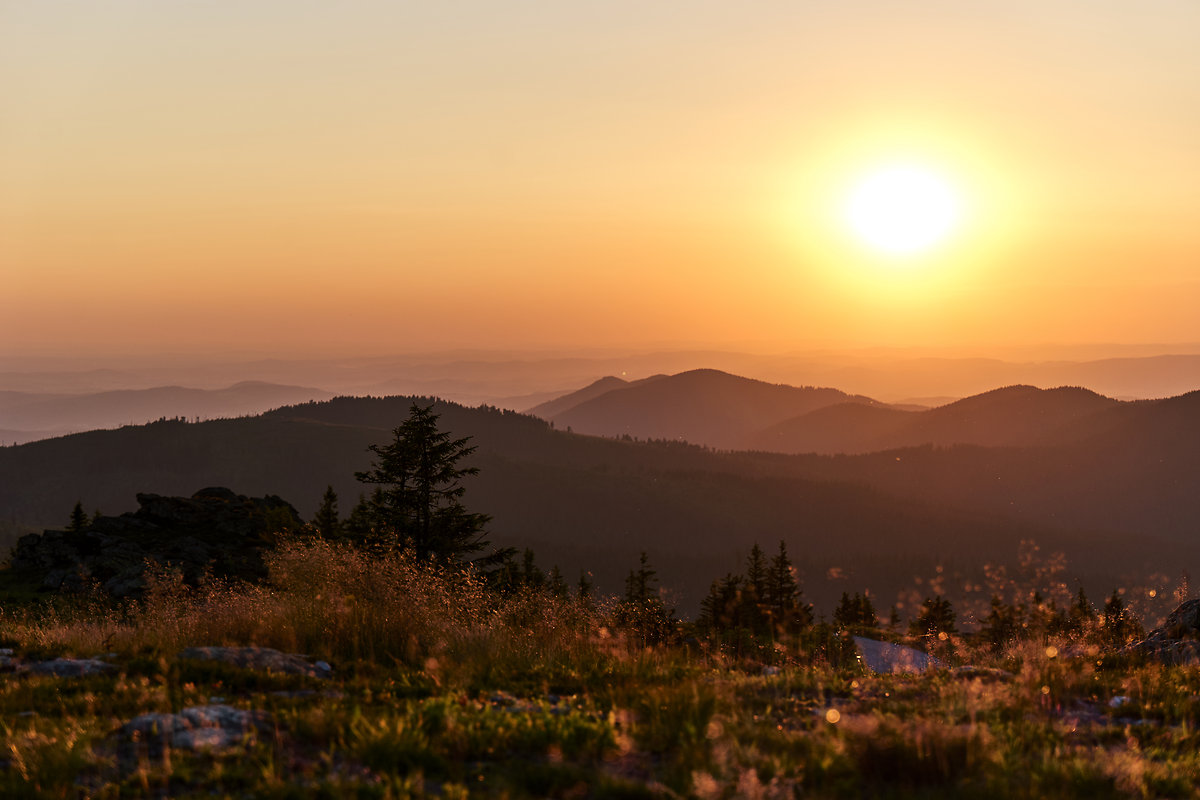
<point x="1013" y="416"/>
<point x="702" y="406"/>
<point x="29" y="416"/>
<point x="1119" y="501"/>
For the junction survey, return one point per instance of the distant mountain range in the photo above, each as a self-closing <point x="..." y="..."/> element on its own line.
<point x="703" y="406"/>
<point x="28" y="416"/>
<point x="713" y="408"/>
<point x="1112" y="483"/>
<point x="522" y="379"/>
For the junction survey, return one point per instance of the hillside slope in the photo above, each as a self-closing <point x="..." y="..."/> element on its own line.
<point x="58" y="413"/>
<point x="587" y="502"/>
<point x="701" y="406"/>
<point x="1013" y="416"/>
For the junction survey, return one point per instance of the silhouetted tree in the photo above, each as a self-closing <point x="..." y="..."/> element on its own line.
<point x="721" y="608"/>
<point x="937" y="616"/>
<point x="756" y="572"/>
<point x="894" y="619"/>
<point x="1120" y="626"/>
<point x="420" y="498"/>
<point x="360" y="525"/>
<point x="555" y="582"/>
<point x="783" y="597"/>
<point x="1081" y="615"/>
<point x="642" y="612"/>
<point x="512" y="575"/>
<point x="530" y="574"/>
<point x="1003" y="624"/>
<point x="79" y="519"/>
<point x="326" y="519"/>
<point x="855" y="612"/>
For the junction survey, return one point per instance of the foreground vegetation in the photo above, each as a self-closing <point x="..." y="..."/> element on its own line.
<point x="445" y="687"/>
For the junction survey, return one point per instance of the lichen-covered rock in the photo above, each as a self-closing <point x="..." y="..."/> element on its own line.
<point x="260" y="658"/>
<point x="1177" y="640"/>
<point x="209" y="727"/>
<point x="215" y="531"/>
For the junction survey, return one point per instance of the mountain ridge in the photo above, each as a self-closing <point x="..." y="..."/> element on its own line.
<point x="586" y="502"/>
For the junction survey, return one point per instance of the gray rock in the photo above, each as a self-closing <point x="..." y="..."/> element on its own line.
<point x="260" y="658"/>
<point x="210" y="727"/>
<point x="70" y="667"/>
<point x="1177" y="640"/>
<point x="887" y="657"/>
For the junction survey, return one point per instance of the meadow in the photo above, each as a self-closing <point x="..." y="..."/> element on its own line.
<point x="441" y="686"/>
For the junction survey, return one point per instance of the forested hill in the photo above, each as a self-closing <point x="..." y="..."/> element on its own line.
<point x="587" y="502"/>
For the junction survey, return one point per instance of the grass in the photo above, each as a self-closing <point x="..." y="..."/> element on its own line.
<point x="443" y="689"/>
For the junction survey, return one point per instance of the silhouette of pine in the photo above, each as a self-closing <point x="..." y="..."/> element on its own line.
<point x="326" y="519"/>
<point x="855" y="612"/>
<point x="79" y="519"/>
<point x="419" y="502"/>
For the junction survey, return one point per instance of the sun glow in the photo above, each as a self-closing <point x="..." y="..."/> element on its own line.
<point x="902" y="210"/>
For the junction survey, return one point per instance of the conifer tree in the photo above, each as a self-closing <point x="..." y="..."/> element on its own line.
<point x="643" y="611"/>
<point x="79" y="519"/>
<point x="783" y="597"/>
<point x="326" y="519"/>
<point x="756" y="572"/>
<point x="855" y="612"/>
<point x="1003" y="623"/>
<point x="1081" y="615"/>
<point x="1120" y="625"/>
<point x="555" y="582"/>
<point x="420" y="497"/>
<point x="936" y="616"/>
<point x="360" y="525"/>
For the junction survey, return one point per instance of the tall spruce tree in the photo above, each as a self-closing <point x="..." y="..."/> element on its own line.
<point x="326" y="519"/>
<point x="419" y="501"/>
<point x="783" y="596"/>
<point x="79" y="519"/>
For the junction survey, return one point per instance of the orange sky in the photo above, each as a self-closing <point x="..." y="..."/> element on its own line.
<point x="372" y="176"/>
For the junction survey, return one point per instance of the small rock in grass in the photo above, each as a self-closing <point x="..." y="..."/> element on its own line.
<point x="261" y="658"/>
<point x="211" y="727"/>
<point x="886" y="657"/>
<point x="70" y="667"/>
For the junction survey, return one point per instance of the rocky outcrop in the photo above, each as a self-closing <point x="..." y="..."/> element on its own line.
<point x="1177" y="641"/>
<point x="215" y="531"/>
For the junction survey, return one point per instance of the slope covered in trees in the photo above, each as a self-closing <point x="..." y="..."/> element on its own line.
<point x="589" y="503"/>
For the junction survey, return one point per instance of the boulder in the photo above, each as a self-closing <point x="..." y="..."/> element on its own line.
<point x="893" y="658"/>
<point x="1177" y="640"/>
<point x="208" y="727"/>
<point x="214" y="531"/>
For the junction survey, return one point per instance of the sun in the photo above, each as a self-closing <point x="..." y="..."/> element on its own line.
<point x="902" y="209"/>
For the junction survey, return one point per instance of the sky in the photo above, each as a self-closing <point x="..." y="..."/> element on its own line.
<point x="365" y="177"/>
